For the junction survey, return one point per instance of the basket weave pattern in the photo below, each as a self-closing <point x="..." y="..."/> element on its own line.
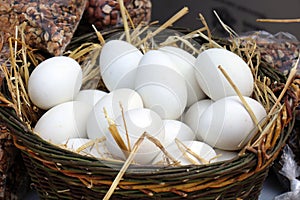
<point x="61" y="174"/>
<point x="14" y="180"/>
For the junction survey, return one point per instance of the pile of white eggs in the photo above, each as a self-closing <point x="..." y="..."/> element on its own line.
<point x="167" y="92"/>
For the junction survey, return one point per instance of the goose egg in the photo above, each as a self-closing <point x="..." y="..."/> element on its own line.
<point x="211" y="79"/>
<point x="64" y="121"/>
<point x="118" y="63"/>
<point x="138" y="121"/>
<point x="97" y="124"/>
<point x="90" y="96"/>
<point x="75" y="143"/>
<point x="185" y="63"/>
<point x="54" y="81"/>
<point x="177" y="129"/>
<point x="99" y="150"/>
<point x="223" y="155"/>
<point x="227" y="125"/>
<point x="162" y="88"/>
<point x="201" y="149"/>
<point x="193" y="114"/>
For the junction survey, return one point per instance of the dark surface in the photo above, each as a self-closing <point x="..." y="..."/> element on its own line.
<point x="241" y="15"/>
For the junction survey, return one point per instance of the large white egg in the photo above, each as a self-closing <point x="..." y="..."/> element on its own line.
<point x="138" y="121"/>
<point x="118" y="63"/>
<point x="227" y="125"/>
<point x="88" y="147"/>
<point x="90" y="96"/>
<point x="201" y="149"/>
<point x="74" y="144"/>
<point x="223" y="155"/>
<point x="156" y="57"/>
<point x="97" y="124"/>
<point x="177" y="129"/>
<point x="161" y="87"/>
<point x="193" y="114"/>
<point x="64" y="121"/>
<point x="99" y="150"/>
<point x="212" y="80"/>
<point x="185" y="63"/>
<point x="54" y="81"/>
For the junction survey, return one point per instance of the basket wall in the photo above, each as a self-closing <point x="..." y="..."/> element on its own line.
<point x="61" y="174"/>
<point x="14" y="179"/>
<point x="294" y="143"/>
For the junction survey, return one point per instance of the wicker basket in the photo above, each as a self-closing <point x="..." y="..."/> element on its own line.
<point x="61" y="174"/>
<point x="280" y="50"/>
<point x="14" y="180"/>
<point x="294" y="144"/>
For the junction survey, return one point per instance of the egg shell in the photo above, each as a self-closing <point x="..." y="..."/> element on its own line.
<point x="75" y="143"/>
<point x="90" y="96"/>
<point x="213" y="82"/>
<point x="177" y="129"/>
<point x="185" y="63"/>
<point x="162" y="90"/>
<point x="99" y="150"/>
<point x="192" y="116"/>
<point x="138" y="121"/>
<point x="159" y="58"/>
<point x="64" y="121"/>
<point x="227" y="125"/>
<point x="97" y="124"/>
<point x="118" y="62"/>
<point x="200" y="148"/>
<point x="54" y="81"/>
<point x="225" y="155"/>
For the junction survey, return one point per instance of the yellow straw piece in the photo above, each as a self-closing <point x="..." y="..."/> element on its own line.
<point x="168" y="23"/>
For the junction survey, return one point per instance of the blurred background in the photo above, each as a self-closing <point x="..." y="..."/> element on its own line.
<point x="239" y="15"/>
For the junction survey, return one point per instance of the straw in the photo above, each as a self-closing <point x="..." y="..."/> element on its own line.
<point x="124" y="168"/>
<point x="125" y="127"/>
<point x="168" y="23"/>
<point x="125" y="23"/>
<point x="279" y="20"/>
<point x="227" y="28"/>
<point x="246" y="105"/>
<point x="99" y="35"/>
<point x="115" y="133"/>
<point x="286" y="86"/>
<point x="185" y="150"/>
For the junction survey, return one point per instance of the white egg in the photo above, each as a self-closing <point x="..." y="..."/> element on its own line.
<point x="75" y="143"/>
<point x="185" y="63"/>
<point x="177" y="129"/>
<point x="99" y="150"/>
<point x="64" y="121"/>
<point x="138" y="121"/>
<point x="202" y="150"/>
<point x="54" y="81"/>
<point x="88" y="147"/>
<point x="193" y="114"/>
<point x="227" y="125"/>
<point x="156" y="57"/>
<point x="161" y="87"/>
<point x="212" y="80"/>
<point x="97" y="124"/>
<point x="118" y="63"/>
<point x="90" y="96"/>
<point x="223" y="155"/>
